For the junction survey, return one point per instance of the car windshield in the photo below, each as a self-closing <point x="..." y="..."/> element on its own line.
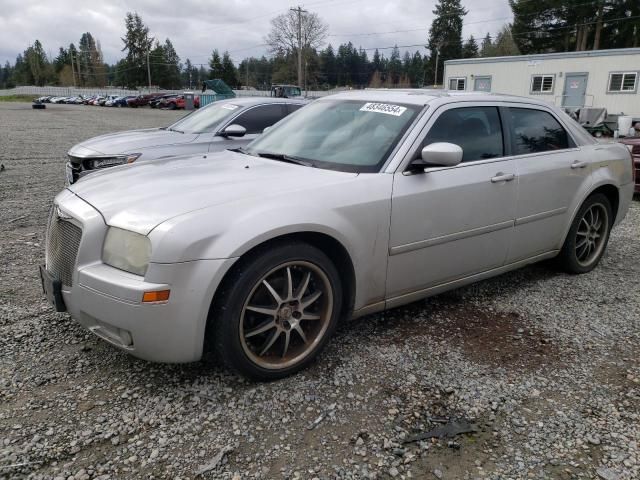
<point x="352" y="136"/>
<point x="206" y="119"/>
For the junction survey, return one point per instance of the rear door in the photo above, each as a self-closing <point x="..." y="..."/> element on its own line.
<point x="551" y="171"/>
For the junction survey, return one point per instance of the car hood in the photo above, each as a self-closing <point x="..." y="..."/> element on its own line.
<point x="139" y="197"/>
<point x="130" y="141"/>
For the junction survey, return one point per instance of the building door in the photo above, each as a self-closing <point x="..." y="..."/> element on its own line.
<point x="482" y="84"/>
<point x="575" y="88"/>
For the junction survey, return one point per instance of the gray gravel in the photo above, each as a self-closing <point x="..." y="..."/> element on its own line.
<point x="544" y="366"/>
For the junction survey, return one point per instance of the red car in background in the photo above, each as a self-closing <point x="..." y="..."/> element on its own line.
<point x="142" y="100"/>
<point x="633" y="143"/>
<point x="178" y="102"/>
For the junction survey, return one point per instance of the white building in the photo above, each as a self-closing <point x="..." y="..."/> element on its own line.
<point x="599" y="78"/>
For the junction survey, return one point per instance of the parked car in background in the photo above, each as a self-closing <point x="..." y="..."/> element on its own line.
<point x="225" y="124"/>
<point x="155" y="102"/>
<point x="633" y="144"/>
<point x="142" y="100"/>
<point x="108" y="99"/>
<point x="258" y="253"/>
<point x="122" y="101"/>
<point x="178" y="102"/>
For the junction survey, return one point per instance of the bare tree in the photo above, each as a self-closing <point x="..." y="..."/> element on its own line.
<point x="296" y="30"/>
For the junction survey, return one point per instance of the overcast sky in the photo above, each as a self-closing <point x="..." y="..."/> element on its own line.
<point x="196" y="27"/>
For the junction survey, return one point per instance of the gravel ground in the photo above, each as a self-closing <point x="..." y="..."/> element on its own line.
<point x="543" y="367"/>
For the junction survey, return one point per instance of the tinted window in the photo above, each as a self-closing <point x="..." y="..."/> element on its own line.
<point x="477" y="130"/>
<point x="536" y="131"/>
<point x="261" y="117"/>
<point x="294" y="106"/>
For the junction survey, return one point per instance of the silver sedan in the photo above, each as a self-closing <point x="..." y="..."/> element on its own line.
<point x="225" y="124"/>
<point x="357" y="203"/>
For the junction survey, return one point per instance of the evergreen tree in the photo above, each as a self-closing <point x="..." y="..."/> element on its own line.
<point x="36" y="65"/>
<point x="394" y="67"/>
<point x="487" y="46"/>
<point x="229" y="73"/>
<point x="172" y="66"/>
<point x="215" y="65"/>
<point x="470" y="48"/>
<point x="328" y="67"/>
<point x="417" y="70"/>
<point x="137" y="44"/>
<point x="504" y="45"/>
<point x="445" y="34"/>
<point x="566" y="25"/>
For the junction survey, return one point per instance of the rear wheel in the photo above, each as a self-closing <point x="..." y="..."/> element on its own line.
<point x="277" y="311"/>
<point x="172" y="106"/>
<point x="588" y="236"/>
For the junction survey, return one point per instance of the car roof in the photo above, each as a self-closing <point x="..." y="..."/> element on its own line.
<point x="250" y="101"/>
<point x="424" y="96"/>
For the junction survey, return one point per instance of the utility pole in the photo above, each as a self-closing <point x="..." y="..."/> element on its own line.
<point x="247" y="81"/>
<point x="73" y="70"/>
<point x="299" y="11"/>
<point x="78" y="65"/>
<point x="148" y="71"/>
<point x="435" y="78"/>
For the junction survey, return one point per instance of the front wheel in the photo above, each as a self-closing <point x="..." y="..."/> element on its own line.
<point x="588" y="236"/>
<point x="277" y="311"/>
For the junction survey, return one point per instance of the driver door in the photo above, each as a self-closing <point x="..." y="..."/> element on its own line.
<point x="452" y="222"/>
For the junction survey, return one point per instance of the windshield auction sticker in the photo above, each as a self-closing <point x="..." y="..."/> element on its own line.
<point x="395" y="110"/>
<point x="229" y="106"/>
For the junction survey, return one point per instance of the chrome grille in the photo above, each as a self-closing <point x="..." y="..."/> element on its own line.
<point x="63" y="240"/>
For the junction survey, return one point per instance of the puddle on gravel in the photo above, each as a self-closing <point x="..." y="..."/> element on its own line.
<point x="499" y="339"/>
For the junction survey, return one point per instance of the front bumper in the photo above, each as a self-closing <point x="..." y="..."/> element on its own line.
<point x="108" y="301"/>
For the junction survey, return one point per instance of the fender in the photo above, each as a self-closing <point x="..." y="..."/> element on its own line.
<point x="231" y="230"/>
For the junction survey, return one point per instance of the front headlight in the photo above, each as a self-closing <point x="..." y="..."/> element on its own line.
<point x="115" y="161"/>
<point x="127" y="251"/>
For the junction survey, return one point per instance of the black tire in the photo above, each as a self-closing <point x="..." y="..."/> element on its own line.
<point x="569" y="258"/>
<point x="172" y="106"/>
<point x="227" y="330"/>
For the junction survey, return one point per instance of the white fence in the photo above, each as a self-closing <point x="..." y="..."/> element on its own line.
<point x="72" y="91"/>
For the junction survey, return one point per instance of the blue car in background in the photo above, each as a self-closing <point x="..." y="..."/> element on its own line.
<point x="121" y="101"/>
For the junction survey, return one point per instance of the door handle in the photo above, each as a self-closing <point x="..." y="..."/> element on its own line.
<point x="502" y="177"/>
<point x="578" y="164"/>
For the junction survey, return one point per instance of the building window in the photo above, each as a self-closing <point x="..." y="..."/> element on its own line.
<point x="458" y="83"/>
<point x="623" y="82"/>
<point x="542" y="83"/>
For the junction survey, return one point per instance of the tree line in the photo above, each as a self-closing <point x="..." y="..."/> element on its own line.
<point x="538" y="27"/>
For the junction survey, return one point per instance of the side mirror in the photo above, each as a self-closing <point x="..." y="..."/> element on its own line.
<point x="234" y="130"/>
<point x="439" y="154"/>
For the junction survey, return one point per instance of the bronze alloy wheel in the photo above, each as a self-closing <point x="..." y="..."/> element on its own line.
<point x="591" y="235"/>
<point x="286" y="315"/>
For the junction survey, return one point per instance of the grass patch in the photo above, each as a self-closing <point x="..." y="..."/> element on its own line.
<point x="18" y="98"/>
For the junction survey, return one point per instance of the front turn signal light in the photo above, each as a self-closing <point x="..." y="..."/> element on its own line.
<point x="156" y="296"/>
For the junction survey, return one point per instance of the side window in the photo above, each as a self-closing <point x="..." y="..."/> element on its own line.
<point x="536" y="131"/>
<point x="258" y="118"/>
<point x="293" y="107"/>
<point x="477" y="130"/>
